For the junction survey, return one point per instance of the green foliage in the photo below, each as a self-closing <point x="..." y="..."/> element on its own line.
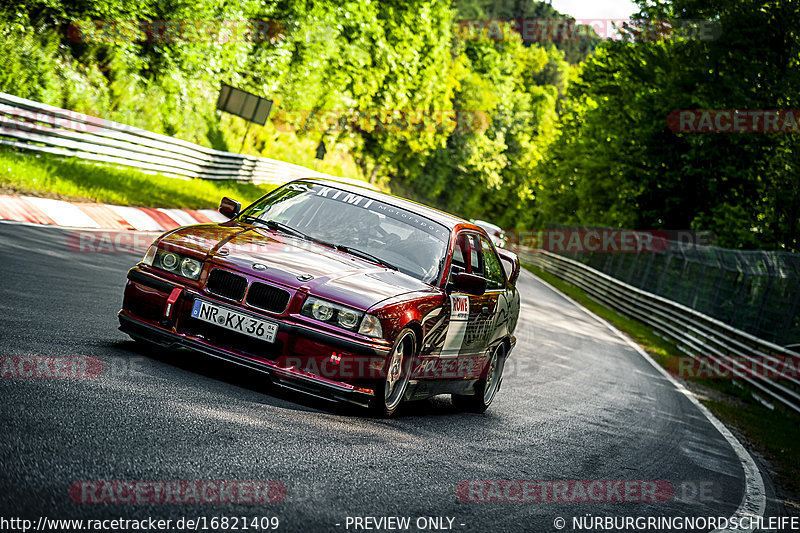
<point x="488" y="171"/>
<point x="574" y="50"/>
<point x="489" y="105"/>
<point x="67" y="55"/>
<point x="617" y="163"/>
<point x="23" y="54"/>
<point x="515" y="132"/>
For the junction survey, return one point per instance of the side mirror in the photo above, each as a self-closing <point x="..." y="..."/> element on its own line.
<point x="510" y="263"/>
<point x="468" y="283"/>
<point x="229" y="207"/>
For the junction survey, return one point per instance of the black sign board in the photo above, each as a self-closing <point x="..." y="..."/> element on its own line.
<point x="243" y="104"/>
<point x="321" y="151"/>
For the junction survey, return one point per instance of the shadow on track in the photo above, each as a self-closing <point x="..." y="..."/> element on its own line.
<point x="254" y="381"/>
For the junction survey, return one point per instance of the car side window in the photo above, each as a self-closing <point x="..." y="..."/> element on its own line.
<point x="495" y="277"/>
<point x="475" y="256"/>
<point x="459" y="253"/>
<point x="466" y="255"/>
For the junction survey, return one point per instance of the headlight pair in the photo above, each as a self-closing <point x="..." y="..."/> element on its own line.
<point x="188" y="267"/>
<point x="342" y="316"/>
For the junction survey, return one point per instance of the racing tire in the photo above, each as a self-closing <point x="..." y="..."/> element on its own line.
<point x="389" y="392"/>
<point x="486" y="388"/>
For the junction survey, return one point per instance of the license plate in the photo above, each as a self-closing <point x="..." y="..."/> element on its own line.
<point x="234" y="320"/>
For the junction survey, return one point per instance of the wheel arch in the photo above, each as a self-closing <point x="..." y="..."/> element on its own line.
<point x="416" y="327"/>
<point x="506" y="341"/>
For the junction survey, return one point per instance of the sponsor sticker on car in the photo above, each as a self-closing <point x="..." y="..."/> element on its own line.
<point x="459" y="316"/>
<point x="234" y="320"/>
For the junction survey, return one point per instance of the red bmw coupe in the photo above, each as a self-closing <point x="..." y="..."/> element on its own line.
<point x="337" y="291"/>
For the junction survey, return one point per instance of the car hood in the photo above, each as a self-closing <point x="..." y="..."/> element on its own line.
<point x="296" y="263"/>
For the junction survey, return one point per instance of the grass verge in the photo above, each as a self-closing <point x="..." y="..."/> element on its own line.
<point x="63" y="178"/>
<point x="771" y="434"/>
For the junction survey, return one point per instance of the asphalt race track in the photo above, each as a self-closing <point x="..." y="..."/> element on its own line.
<point x="577" y="403"/>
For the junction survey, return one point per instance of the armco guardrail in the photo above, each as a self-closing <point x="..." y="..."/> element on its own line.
<point x="30" y="125"/>
<point x="757" y="291"/>
<point x="698" y="335"/>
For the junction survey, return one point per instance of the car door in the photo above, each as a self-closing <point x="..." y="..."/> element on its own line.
<point x="471" y="319"/>
<point x="460" y="304"/>
<point x="470" y="315"/>
<point x="497" y="284"/>
<point x="483" y="309"/>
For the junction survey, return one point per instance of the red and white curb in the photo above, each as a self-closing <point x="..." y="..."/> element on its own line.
<point x="100" y="216"/>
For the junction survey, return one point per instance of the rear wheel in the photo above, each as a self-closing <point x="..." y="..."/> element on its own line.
<point x="486" y="388"/>
<point x="390" y="391"/>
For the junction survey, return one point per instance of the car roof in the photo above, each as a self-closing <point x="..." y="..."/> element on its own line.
<point x="487" y="225"/>
<point x="445" y="219"/>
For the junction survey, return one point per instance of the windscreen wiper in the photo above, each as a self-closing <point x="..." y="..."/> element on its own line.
<point x="365" y="255"/>
<point x="284" y="228"/>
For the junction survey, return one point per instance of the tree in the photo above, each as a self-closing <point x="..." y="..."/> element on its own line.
<point x="616" y="162"/>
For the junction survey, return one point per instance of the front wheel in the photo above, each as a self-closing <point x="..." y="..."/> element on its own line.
<point x="486" y="388"/>
<point x="390" y="391"/>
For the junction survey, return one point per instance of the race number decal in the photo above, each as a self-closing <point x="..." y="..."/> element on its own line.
<point x="459" y="316"/>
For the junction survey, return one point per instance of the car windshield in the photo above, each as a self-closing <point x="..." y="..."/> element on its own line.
<point x="366" y="227"/>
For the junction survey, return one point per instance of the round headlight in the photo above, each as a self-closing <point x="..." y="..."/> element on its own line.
<point x="169" y="261"/>
<point x="190" y="268"/>
<point x="348" y="319"/>
<point x="321" y="311"/>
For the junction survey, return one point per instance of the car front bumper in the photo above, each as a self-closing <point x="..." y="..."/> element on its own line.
<point x="300" y="359"/>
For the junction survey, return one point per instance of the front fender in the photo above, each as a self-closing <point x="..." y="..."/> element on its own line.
<point x="407" y="311"/>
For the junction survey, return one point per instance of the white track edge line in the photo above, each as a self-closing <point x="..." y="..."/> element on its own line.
<point x="754" y="501"/>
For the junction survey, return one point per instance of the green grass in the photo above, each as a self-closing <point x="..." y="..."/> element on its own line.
<point x="28" y="173"/>
<point x="774" y="434"/>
